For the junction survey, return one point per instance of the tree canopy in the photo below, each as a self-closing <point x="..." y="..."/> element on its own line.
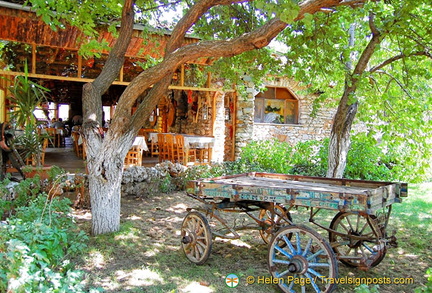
<point x="393" y="91"/>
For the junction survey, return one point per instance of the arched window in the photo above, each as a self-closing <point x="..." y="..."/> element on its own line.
<point x="276" y="105"/>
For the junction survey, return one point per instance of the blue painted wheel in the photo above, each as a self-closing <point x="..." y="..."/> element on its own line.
<point x="303" y="263"/>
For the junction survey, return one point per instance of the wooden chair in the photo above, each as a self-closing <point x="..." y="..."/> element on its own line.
<point x="44" y="146"/>
<point x="204" y="154"/>
<point x="75" y="137"/>
<point x="83" y="150"/>
<point x="154" y="147"/>
<point x="184" y="155"/>
<point x="51" y="131"/>
<point x="163" y="150"/>
<point x="79" y="147"/>
<point x="133" y="157"/>
<point x="31" y="160"/>
<point x="171" y="147"/>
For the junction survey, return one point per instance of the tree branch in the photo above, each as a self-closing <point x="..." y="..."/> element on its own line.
<point x="398" y="57"/>
<point x="397" y="81"/>
<point x="177" y="55"/>
<point x="189" y="19"/>
<point x="112" y="67"/>
<point x="367" y="53"/>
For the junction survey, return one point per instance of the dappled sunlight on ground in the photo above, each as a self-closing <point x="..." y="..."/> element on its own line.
<point x="97" y="260"/>
<point x="178" y="208"/>
<point x="196" y="287"/>
<point x="134" y="218"/>
<point x="138" y="278"/>
<point x="236" y="242"/>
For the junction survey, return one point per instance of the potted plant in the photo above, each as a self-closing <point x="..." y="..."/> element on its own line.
<point x="26" y="95"/>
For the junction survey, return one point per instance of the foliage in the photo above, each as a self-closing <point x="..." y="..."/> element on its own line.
<point x="166" y="184"/>
<point x="310" y="158"/>
<point x="31" y="143"/>
<point x="428" y="287"/>
<point x="363" y="288"/>
<point x="36" y="244"/>
<point x="26" y="95"/>
<point x="270" y="155"/>
<point x="392" y="86"/>
<point x="367" y="160"/>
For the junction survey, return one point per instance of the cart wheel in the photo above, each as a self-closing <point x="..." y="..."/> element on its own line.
<point x="367" y="252"/>
<point x="273" y="221"/>
<point x="196" y="238"/>
<point x="304" y="263"/>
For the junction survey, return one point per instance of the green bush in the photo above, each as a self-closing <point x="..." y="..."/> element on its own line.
<point x="268" y="155"/>
<point x="367" y="161"/>
<point x="427" y="288"/>
<point x="310" y="158"/>
<point x="36" y="243"/>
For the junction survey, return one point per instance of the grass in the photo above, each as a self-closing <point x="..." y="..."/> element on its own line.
<point x="145" y="254"/>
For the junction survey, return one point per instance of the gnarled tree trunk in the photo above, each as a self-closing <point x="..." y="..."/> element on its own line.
<point x="340" y="135"/>
<point x="340" y="139"/>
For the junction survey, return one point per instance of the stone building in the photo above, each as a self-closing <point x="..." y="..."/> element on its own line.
<point x="281" y="113"/>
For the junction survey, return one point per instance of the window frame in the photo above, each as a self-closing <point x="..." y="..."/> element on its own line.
<point x="276" y="97"/>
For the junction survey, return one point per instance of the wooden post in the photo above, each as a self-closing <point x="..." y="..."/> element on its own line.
<point x="33" y="60"/>
<point x="182" y="71"/>
<point x="79" y="73"/>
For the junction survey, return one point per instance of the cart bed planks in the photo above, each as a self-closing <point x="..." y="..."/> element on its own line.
<point x="357" y="233"/>
<point x="291" y="190"/>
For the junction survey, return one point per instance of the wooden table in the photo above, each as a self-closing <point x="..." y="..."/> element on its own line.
<point x="203" y="144"/>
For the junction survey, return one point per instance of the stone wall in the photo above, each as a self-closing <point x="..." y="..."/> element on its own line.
<point x="308" y="127"/>
<point x="244" y="116"/>
<point x="219" y="127"/>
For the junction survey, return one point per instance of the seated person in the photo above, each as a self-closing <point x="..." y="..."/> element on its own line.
<point x="58" y="124"/>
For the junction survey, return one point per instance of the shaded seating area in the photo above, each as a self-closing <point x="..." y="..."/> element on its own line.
<point x="56" y="136"/>
<point x="186" y="149"/>
<point x="31" y="160"/>
<point x="134" y="157"/>
<point x="78" y="144"/>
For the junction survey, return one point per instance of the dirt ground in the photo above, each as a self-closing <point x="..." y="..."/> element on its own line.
<point x="146" y="256"/>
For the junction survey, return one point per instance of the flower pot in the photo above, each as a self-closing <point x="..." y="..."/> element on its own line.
<point x="32" y="171"/>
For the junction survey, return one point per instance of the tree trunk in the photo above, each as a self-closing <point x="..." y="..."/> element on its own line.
<point x="340" y="140"/>
<point x="340" y="135"/>
<point x="105" y="155"/>
<point x="105" y="175"/>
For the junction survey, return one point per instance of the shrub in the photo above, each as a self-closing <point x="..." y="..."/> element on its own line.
<point x="310" y="158"/>
<point x="367" y="161"/>
<point x="427" y="288"/>
<point x="268" y="155"/>
<point x="36" y="243"/>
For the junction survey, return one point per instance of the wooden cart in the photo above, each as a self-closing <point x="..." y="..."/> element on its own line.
<point x="299" y="257"/>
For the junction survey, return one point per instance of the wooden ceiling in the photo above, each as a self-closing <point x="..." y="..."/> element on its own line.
<point x="52" y="56"/>
<point x="21" y="25"/>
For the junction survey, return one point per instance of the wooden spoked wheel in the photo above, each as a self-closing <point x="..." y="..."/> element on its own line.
<point x="357" y="243"/>
<point x="304" y="263"/>
<point x="196" y="238"/>
<point x="273" y="220"/>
